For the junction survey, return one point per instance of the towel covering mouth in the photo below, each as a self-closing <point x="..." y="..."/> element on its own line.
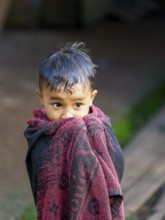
<point x="75" y="167"/>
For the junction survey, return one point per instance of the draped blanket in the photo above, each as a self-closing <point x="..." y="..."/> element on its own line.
<point x="75" y="167"/>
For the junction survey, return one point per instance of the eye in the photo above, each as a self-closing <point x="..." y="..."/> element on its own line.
<point x="78" y="105"/>
<point x="56" y="105"/>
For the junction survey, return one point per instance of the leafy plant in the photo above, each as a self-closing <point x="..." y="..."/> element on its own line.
<point x="29" y="214"/>
<point x="140" y="114"/>
<point x="131" y="218"/>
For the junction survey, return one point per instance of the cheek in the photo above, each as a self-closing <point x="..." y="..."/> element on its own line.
<point x="51" y="114"/>
<point x="84" y="112"/>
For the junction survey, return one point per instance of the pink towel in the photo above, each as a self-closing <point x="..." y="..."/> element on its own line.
<point x="75" y="167"/>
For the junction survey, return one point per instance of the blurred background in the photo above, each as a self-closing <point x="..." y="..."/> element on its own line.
<point x="126" y="41"/>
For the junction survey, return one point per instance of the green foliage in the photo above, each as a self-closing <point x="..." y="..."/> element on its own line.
<point x="123" y="129"/>
<point x="131" y="218"/>
<point x="149" y="105"/>
<point x="29" y="214"/>
<point x="140" y="114"/>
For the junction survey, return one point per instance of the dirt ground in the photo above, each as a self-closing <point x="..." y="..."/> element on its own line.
<point x="131" y="62"/>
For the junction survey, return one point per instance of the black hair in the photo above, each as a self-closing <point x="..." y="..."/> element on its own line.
<point x="64" y="68"/>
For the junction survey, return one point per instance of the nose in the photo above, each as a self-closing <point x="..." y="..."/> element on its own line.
<point x="67" y="115"/>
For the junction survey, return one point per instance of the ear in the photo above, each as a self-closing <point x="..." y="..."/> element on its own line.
<point x="40" y="97"/>
<point x="93" y="95"/>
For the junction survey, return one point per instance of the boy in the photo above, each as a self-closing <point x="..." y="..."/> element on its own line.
<point x="74" y="161"/>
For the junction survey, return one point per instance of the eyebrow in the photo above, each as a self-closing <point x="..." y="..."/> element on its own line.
<point x="61" y="99"/>
<point x="55" y="98"/>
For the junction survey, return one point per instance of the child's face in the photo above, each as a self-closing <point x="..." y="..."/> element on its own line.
<point x="65" y="105"/>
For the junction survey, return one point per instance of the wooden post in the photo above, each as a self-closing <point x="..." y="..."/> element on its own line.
<point x="4" y="7"/>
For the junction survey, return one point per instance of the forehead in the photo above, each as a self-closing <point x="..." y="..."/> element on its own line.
<point x="77" y="91"/>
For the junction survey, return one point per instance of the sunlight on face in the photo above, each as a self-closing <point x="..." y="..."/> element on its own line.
<point x="65" y="105"/>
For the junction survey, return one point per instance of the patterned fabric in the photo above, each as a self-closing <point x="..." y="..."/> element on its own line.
<point x="75" y="167"/>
